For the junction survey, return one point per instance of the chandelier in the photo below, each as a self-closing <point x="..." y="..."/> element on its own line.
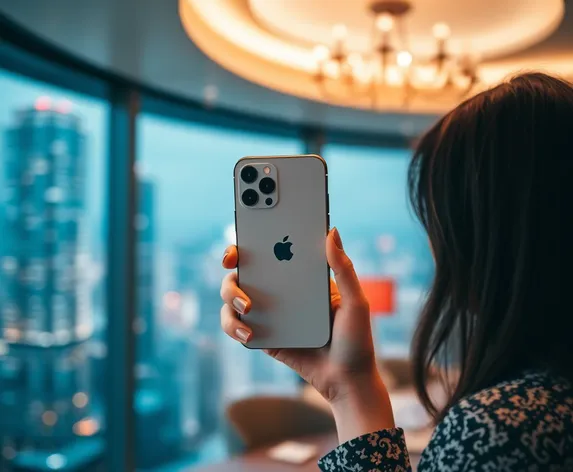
<point x="390" y="63"/>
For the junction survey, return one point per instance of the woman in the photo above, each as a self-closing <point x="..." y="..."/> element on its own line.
<point x="492" y="184"/>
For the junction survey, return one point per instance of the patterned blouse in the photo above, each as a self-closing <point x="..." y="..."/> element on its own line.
<point x="525" y="424"/>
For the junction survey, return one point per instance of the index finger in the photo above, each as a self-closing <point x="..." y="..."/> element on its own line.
<point x="344" y="273"/>
<point x="231" y="257"/>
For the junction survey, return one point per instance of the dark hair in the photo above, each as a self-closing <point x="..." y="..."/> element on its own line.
<point x="492" y="183"/>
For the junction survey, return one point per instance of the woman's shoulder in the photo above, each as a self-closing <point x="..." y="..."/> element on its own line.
<point x="532" y="404"/>
<point x="522" y="421"/>
<point x="532" y="395"/>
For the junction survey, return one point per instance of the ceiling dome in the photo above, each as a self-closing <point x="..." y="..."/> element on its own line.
<point x="271" y="42"/>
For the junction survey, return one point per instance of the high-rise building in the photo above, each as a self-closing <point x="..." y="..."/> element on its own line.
<point x="145" y="319"/>
<point x="201" y="318"/>
<point x="51" y="417"/>
<point x="44" y="301"/>
<point x="181" y="387"/>
<point x="153" y="421"/>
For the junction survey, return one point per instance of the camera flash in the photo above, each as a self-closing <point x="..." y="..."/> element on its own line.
<point x="267" y="170"/>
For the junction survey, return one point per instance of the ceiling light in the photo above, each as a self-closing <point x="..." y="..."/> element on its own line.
<point x="404" y="59"/>
<point x="385" y="64"/>
<point x="384" y="22"/>
<point x="321" y="52"/>
<point x="332" y="69"/>
<point x="441" y="31"/>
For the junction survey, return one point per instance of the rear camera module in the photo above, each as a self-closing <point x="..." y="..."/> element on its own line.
<point x="267" y="185"/>
<point x="249" y="174"/>
<point x="250" y="197"/>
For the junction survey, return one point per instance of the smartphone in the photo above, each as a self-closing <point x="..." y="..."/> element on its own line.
<point x="282" y="220"/>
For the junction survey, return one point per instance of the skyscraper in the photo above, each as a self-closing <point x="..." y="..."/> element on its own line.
<point x="44" y="302"/>
<point x="202" y="321"/>
<point x="145" y="320"/>
<point x="45" y="307"/>
<point x="150" y="402"/>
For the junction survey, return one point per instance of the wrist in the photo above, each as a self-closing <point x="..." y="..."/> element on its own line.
<point x="362" y="407"/>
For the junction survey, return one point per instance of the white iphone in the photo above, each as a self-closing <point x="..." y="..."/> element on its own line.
<point x="282" y="220"/>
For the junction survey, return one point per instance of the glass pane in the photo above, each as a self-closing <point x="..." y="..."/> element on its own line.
<point x="52" y="318"/>
<point x="369" y="205"/>
<point x="188" y="370"/>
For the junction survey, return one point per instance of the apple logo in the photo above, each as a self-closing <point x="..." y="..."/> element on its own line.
<point x="283" y="250"/>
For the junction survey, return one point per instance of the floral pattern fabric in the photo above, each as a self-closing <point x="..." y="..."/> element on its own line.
<point x="376" y="452"/>
<point x="525" y="424"/>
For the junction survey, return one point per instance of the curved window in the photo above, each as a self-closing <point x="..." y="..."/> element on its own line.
<point x="54" y="324"/>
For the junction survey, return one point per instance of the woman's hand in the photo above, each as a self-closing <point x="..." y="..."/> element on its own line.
<point x="344" y="372"/>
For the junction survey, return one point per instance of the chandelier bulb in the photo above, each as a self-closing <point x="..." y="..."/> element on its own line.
<point x="404" y="59"/>
<point x="321" y="52"/>
<point x="441" y="31"/>
<point x="332" y="69"/>
<point x="385" y="22"/>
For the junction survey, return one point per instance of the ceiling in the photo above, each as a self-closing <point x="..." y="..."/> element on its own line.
<point x="491" y="28"/>
<point x="144" y="40"/>
<point x="272" y="43"/>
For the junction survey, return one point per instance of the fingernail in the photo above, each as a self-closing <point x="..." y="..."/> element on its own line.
<point x="224" y="257"/>
<point x="243" y="334"/>
<point x="240" y="305"/>
<point x="337" y="240"/>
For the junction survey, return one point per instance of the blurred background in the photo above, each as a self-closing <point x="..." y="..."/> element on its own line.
<point x="120" y="123"/>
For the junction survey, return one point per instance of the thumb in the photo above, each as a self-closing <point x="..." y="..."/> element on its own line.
<point x="344" y="274"/>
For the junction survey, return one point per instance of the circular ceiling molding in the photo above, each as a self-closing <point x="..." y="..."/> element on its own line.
<point x="487" y="28"/>
<point x="270" y="42"/>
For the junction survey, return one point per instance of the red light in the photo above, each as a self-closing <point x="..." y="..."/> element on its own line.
<point x="64" y="107"/>
<point x="380" y="293"/>
<point x="43" y="104"/>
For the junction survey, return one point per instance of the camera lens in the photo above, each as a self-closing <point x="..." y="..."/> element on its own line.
<point x="267" y="185"/>
<point x="249" y="174"/>
<point x="250" y="197"/>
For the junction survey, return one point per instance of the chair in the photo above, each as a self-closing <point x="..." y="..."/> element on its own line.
<point x="261" y="421"/>
<point x="397" y="373"/>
